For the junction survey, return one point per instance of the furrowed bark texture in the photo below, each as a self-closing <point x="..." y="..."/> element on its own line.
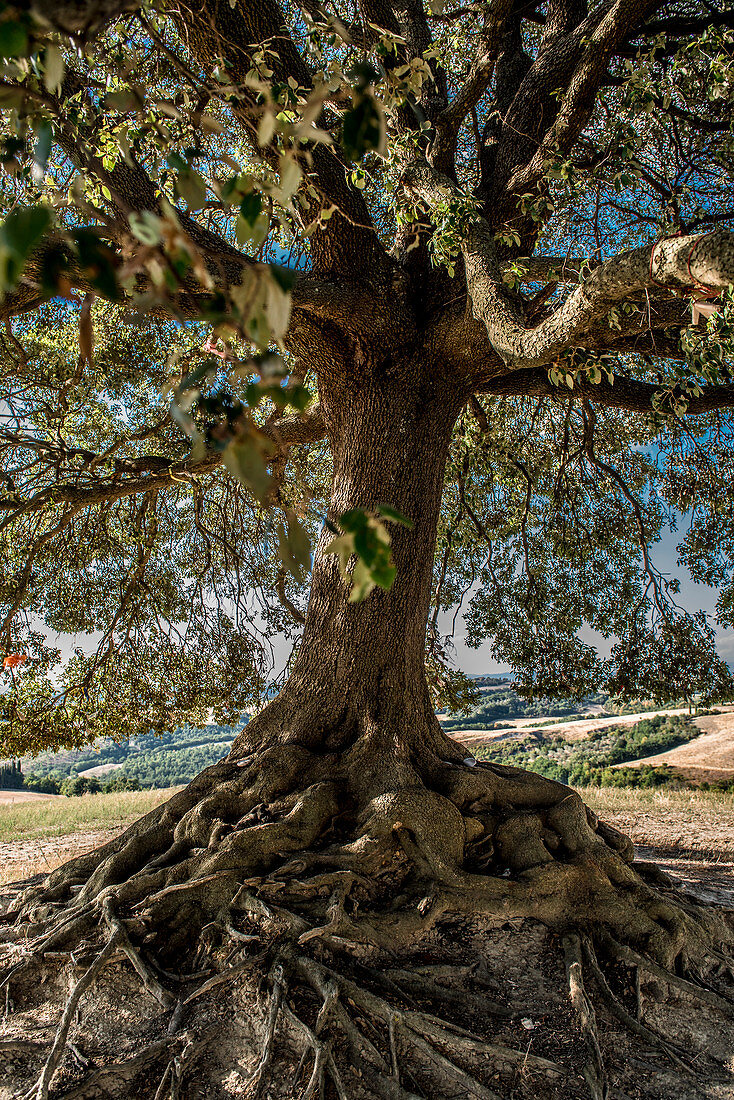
<point x="348" y="906"/>
<point x="360" y="669"/>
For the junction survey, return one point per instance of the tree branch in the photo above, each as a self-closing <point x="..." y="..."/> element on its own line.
<point x="210" y="29"/>
<point x="286" y="432"/>
<point x="673" y="263"/>
<point x="441" y="154"/>
<point x="595" y="40"/>
<point x="624" y="393"/>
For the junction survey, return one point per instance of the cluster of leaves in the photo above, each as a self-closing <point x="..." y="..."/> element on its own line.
<point x="362" y="548"/>
<point x="172" y="590"/>
<point x="11" y="776"/>
<point x="154" y="118"/>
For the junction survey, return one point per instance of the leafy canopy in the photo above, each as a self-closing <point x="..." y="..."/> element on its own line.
<point x="197" y="198"/>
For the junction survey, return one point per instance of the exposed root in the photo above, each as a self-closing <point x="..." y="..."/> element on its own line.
<point x="294" y="883"/>
<point x="641" y="962"/>
<point x="594" y="1071"/>
<point x="40" y="1091"/>
<point x="120" y="936"/>
<point x="618" y="1010"/>
<point x="115" y="1079"/>
<point x="258" y="1078"/>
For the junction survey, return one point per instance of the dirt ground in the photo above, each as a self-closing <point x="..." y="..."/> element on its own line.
<point x="693" y="841"/>
<point x="24" y="858"/>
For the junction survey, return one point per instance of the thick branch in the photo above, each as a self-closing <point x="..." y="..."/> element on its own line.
<point x="286" y="432"/>
<point x="335" y="301"/>
<point x="594" y="50"/>
<point x="475" y="84"/>
<point x="211" y="30"/>
<point x="676" y="263"/>
<point x="624" y="393"/>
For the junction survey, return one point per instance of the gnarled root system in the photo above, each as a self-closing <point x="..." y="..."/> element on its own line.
<point x="296" y="924"/>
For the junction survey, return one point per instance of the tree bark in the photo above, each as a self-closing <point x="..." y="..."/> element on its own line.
<point x="359" y="674"/>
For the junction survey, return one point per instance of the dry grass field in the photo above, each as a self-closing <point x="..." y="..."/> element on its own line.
<point x="38" y="835"/>
<point x="709" y="757"/>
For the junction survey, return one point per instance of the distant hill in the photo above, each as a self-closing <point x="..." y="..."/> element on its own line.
<point x="709" y="758"/>
<point x="500" y="706"/>
<point x="151" y="760"/>
<point x="663" y="748"/>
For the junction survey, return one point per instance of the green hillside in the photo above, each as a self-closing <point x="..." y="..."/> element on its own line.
<point x="592" y="760"/>
<point x="151" y="760"/>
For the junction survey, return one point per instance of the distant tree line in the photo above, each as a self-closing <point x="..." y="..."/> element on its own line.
<point x="11" y="776"/>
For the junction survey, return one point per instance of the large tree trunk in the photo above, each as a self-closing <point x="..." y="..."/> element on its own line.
<point x="347" y="851"/>
<point x="359" y="675"/>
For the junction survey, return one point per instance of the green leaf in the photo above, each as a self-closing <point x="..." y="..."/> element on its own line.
<point x="53" y="68"/>
<point x="343" y="547"/>
<point x="250" y="207"/>
<point x="391" y="513"/>
<point x="192" y="189"/>
<point x="125" y="99"/>
<point x="363" y="128"/>
<point x="13" y="39"/>
<point x="362" y="583"/>
<point x="20" y="233"/>
<point x="284" y="276"/>
<point x="44" y="141"/>
<point x="146" y="227"/>
<point x="294" y="546"/>
<point x="245" y="461"/>
<point x="98" y="262"/>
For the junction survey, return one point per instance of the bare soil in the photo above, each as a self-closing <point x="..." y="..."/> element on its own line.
<point x="40" y="855"/>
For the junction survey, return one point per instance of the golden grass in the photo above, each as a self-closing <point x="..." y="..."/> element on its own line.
<point x="91" y="812"/>
<point x="693" y="803"/>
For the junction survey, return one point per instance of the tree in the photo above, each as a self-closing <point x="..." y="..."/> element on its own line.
<point x="477" y="261"/>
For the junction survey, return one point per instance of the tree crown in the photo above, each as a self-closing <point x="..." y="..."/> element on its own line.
<point x="215" y="209"/>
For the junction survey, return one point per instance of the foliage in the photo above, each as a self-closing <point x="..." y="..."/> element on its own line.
<point x="11" y="776"/>
<point x="185" y="216"/>
<point x="78" y="785"/>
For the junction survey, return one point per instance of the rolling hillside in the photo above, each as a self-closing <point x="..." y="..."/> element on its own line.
<point x="709" y="757"/>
